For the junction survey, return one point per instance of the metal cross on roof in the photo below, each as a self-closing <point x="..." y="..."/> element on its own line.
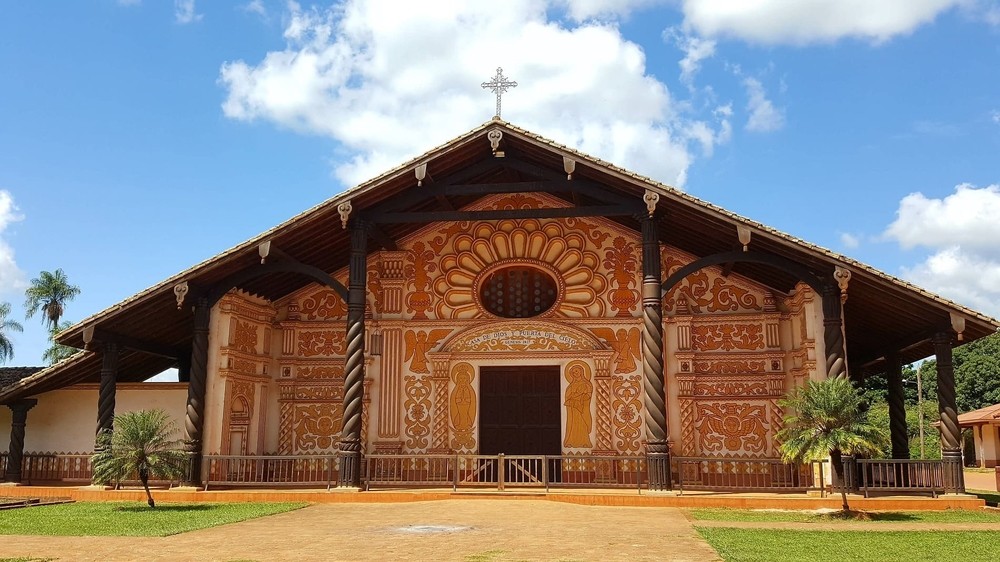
<point x="499" y="85"/>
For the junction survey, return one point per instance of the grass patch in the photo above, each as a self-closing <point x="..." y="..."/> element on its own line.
<point x="791" y="546"/>
<point x="131" y="519"/>
<point x="947" y="516"/>
<point x="992" y="498"/>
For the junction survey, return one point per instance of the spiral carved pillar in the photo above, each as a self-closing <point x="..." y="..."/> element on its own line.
<point x="897" y="408"/>
<point x="15" y="454"/>
<point x="108" y="388"/>
<point x="833" y="332"/>
<point x="951" y="434"/>
<point x="194" y="416"/>
<point x="655" y="411"/>
<point x="354" y="369"/>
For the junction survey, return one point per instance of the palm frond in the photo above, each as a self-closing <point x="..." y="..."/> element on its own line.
<point x="141" y="442"/>
<point x="825" y="416"/>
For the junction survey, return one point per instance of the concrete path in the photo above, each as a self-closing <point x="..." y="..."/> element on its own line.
<point x="464" y="530"/>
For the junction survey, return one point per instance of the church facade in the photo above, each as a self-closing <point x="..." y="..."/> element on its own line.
<point x="501" y="294"/>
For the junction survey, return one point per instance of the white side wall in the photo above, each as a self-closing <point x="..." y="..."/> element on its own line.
<point x="989" y="447"/>
<point x="64" y="421"/>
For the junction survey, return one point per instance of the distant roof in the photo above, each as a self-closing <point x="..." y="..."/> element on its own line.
<point x="987" y="415"/>
<point x="10" y="375"/>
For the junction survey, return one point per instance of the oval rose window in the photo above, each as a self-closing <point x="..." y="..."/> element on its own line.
<point x="518" y="292"/>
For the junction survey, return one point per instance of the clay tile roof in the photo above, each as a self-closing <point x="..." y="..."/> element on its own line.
<point x="10" y="375"/>
<point x="989" y="414"/>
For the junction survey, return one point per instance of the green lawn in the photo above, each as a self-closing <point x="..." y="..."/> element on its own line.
<point x="992" y="498"/>
<point x="909" y="546"/>
<point x="130" y="519"/>
<point x="947" y="516"/>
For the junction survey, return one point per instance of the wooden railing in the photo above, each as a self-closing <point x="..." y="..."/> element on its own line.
<point x="56" y="467"/>
<point x="747" y="475"/>
<point x="904" y="476"/>
<point x="536" y="471"/>
<point x="272" y="470"/>
<point x="504" y="471"/>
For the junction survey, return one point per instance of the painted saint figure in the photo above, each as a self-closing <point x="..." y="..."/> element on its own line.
<point x="463" y="407"/>
<point x="578" y="417"/>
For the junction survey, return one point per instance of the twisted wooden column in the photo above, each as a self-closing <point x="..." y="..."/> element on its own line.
<point x="833" y="332"/>
<point x="354" y="369"/>
<point x="951" y="434"/>
<point x="897" y="407"/>
<point x="194" y="415"/>
<point x="655" y="411"/>
<point x="15" y="454"/>
<point x="108" y="388"/>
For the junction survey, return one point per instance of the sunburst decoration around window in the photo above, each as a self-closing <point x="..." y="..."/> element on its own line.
<point x="484" y="248"/>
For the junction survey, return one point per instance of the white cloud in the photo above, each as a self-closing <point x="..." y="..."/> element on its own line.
<point x="695" y="49"/>
<point x="184" y="12"/>
<point x="390" y="83"/>
<point x="967" y="218"/>
<point x="811" y="21"/>
<point x="581" y="10"/>
<point x="764" y="116"/>
<point x="256" y="7"/>
<point x="995" y="116"/>
<point x="12" y="279"/>
<point x="962" y="231"/>
<point x="849" y="240"/>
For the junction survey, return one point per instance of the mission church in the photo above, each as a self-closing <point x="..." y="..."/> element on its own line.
<point x="499" y="294"/>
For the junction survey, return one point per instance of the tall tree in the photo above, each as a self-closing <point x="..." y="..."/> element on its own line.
<point x="142" y="443"/>
<point x="6" y="327"/>
<point x="977" y="374"/>
<point x="57" y="351"/>
<point x="49" y="292"/>
<point x="827" y="419"/>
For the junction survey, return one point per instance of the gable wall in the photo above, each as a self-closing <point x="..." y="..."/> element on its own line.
<point x="732" y="347"/>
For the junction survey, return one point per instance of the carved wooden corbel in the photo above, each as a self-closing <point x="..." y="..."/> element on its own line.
<point x="651" y="198"/>
<point x="843" y="277"/>
<point x="344" y="209"/>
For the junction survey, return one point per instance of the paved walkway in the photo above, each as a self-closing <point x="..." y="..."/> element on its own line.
<point x="464" y="530"/>
<point x="975" y="480"/>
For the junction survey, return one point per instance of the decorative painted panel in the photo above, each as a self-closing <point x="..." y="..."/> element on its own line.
<point x="579" y="396"/>
<point x="463" y="407"/>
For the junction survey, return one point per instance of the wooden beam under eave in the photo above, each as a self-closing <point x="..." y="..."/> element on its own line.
<point x="136" y="344"/>
<point x="382" y="238"/>
<point x="501" y="214"/>
<point x="444" y="203"/>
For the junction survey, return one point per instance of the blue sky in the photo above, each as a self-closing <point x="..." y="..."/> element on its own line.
<point x="140" y="137"/>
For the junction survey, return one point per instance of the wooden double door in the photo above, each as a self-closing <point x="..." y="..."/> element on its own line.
<point x="520" y="410"/>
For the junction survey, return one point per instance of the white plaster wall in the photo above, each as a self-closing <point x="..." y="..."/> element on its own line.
<point x="991" y="445"/>
<point x="64" y="421"/>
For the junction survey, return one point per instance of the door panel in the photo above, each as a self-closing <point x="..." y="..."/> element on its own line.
<point x="520" y="411"/>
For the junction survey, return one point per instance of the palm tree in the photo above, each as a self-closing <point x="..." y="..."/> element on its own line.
<point x="827" y="419"/>
<point x="7" y="346"/>
<point x="49" y="293"/>
<point x="142" y="443"/>
<point x="57" y="351"/>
